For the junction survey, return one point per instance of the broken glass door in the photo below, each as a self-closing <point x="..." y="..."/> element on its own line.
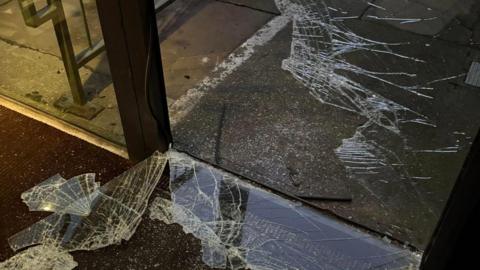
<point x="53" y="60"/>
<point x="364" y="108"/>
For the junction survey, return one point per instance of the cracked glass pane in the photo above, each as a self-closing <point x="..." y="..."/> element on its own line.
<point x="242" y="226"/>
<point x="319" y="47"/>
<point x="61" y="196"/>
<point x="344" y="101"/>
<point x="116" y="211"/>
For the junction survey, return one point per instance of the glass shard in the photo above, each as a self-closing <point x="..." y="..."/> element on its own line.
<point x="40" y="258"/>
<point x="61" y="196"/>
<point x="116" y="211"/>
<point x="243" y="227"/>
<point x="473" y="76"/>
<point x="318" y="59"/>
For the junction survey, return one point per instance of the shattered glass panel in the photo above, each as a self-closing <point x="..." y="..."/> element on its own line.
<point x="335" y="105"/>
<point x="116" y="211"/>
<point x="41" y="258"/>
<point x="322" y="57"/>
<point x="242" y="226"/>
<point x="320" y="44"/>
<point x="61" y="196"/>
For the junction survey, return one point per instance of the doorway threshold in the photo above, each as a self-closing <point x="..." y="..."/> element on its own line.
<point x="63" y="126"/>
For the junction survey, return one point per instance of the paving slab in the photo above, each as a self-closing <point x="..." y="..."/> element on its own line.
<point x="264" y="5"/>
<point x="426" y="17"/>
<point x="196" y="35"/>
<point x="261" y="123"/>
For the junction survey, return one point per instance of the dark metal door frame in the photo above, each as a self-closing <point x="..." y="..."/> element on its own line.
<point x="131" y="39"/>
<point x="453" y="244"/>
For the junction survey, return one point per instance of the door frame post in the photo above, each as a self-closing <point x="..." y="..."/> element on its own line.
<point x="131" y="41"/>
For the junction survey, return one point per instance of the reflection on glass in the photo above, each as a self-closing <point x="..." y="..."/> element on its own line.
<point x="52" y="58"/>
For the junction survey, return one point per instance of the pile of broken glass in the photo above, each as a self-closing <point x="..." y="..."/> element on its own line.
<point x="239" y="225"/>
<point x="86" y="216"/>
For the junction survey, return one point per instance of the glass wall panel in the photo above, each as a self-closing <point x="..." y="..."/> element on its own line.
<point x="52" y="59"/>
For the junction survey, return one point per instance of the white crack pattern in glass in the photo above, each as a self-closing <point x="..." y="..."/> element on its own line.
<point x="244" y="227"/>
<point x="318" y="59"/>
<point x="61" y="196"/>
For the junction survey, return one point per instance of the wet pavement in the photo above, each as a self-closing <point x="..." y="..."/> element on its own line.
<point x="197" y="35"/>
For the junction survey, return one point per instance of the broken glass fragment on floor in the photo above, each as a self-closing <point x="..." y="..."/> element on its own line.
<point x="40" y="258"/>
<point x="320" y="58"/>
<point x="116" y="211"/>
<point x="473" y="76"/>
<point x="244" y="227"/>
<point x="73" y="196"/>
